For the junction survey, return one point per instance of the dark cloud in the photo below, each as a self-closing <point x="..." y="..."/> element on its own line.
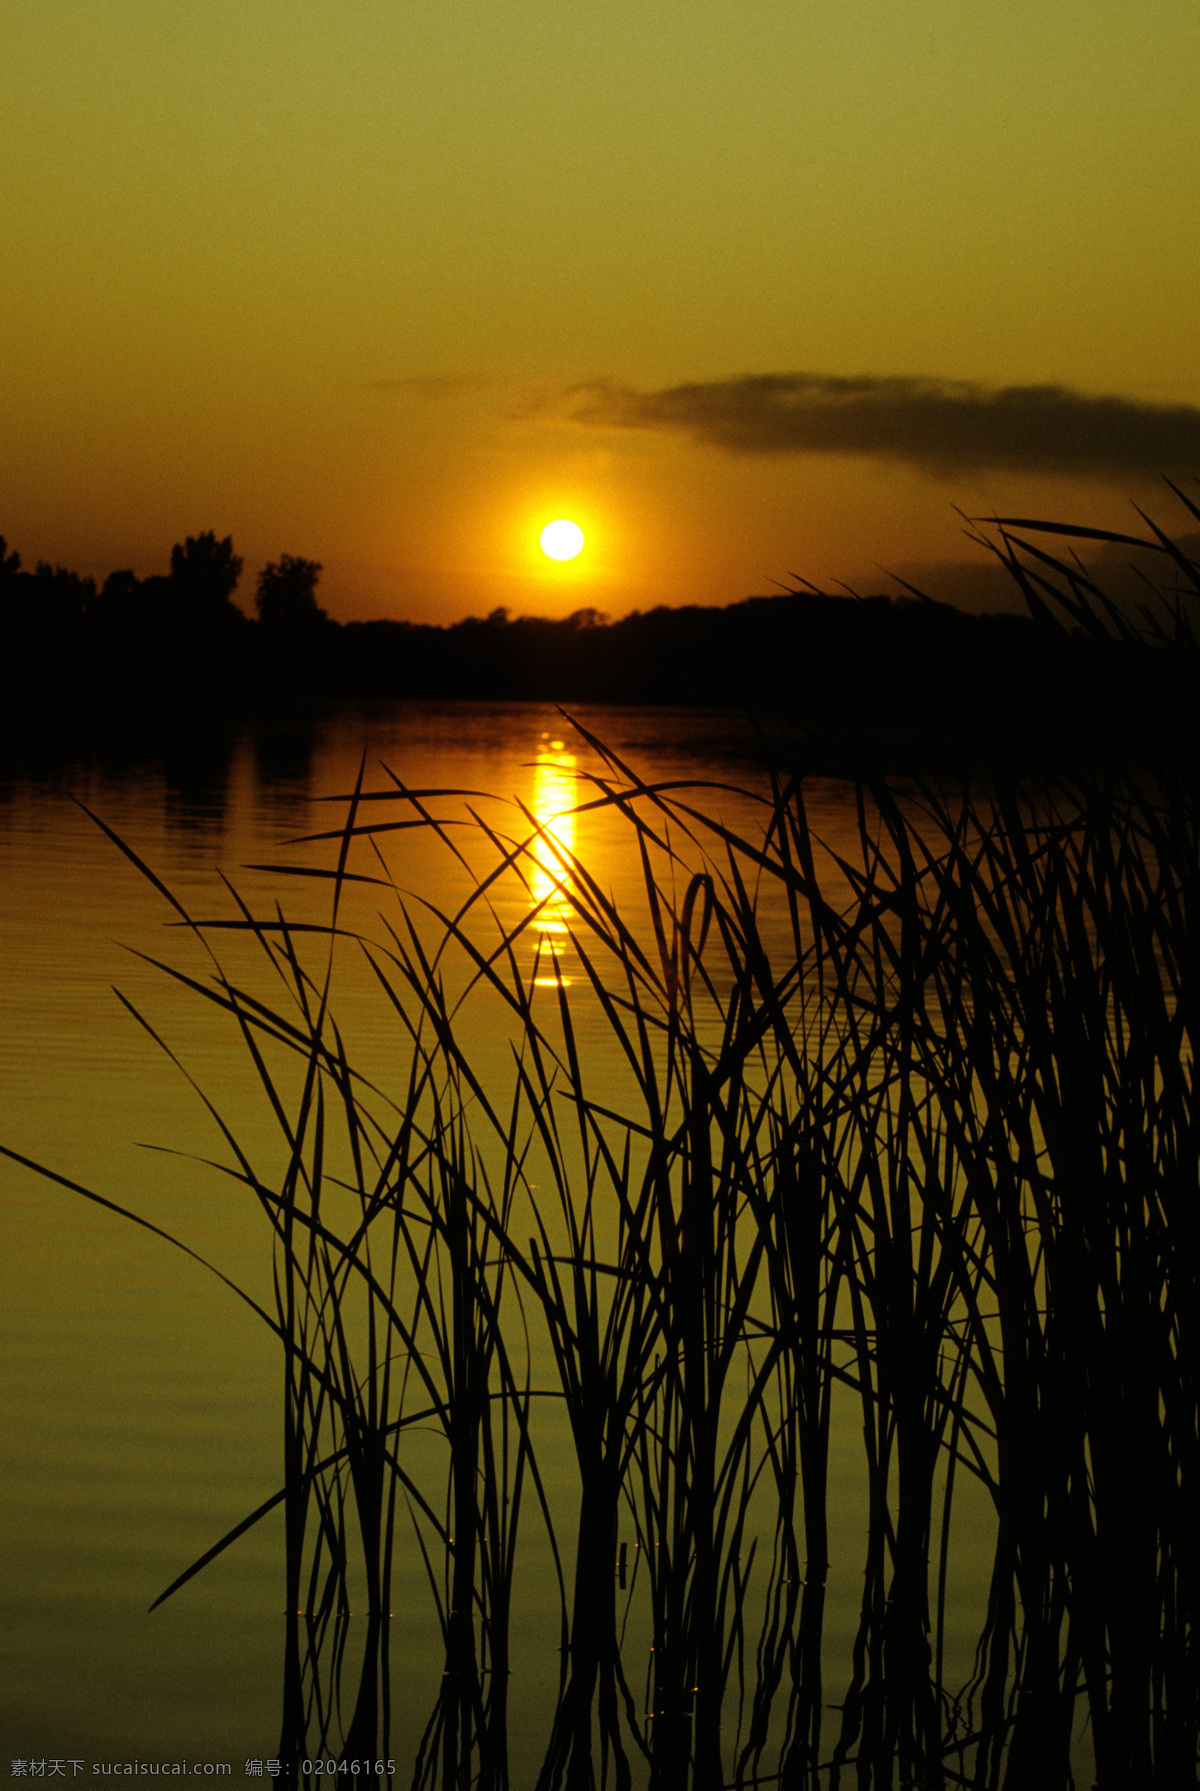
<point x="944" y="426"/>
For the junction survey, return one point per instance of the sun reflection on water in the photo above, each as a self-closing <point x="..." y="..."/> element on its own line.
<point x="553" y="805"/>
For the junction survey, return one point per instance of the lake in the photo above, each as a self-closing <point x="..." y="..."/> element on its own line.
<point x="142" y="1399"/>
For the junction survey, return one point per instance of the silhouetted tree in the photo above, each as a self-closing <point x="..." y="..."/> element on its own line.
<point x="62" y="595"/>
<point x="287" y="593"/>
<point x="127" y="614"/>
<point x="16" y="601"/>
<point x="204" y="572"/>
<point x="122" y="584"/>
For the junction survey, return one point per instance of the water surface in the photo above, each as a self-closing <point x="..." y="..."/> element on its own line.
<point x="141" y="1414"/>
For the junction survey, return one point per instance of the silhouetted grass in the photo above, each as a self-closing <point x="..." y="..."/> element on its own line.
<point x="917" y="1136"/>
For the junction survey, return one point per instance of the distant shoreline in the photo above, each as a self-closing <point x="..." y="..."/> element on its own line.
<point x="903" y="675"/>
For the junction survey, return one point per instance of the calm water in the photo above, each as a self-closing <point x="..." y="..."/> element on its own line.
<point x="141" y="1400"/>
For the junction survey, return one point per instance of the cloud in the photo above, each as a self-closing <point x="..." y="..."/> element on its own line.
<point x="944" y="426"/>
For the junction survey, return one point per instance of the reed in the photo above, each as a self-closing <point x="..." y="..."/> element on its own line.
<point x="924" y="1149"/>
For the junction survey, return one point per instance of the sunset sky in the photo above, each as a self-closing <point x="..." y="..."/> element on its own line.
<point x="747" y="288"/>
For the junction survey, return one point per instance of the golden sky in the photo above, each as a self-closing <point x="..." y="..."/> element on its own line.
<point x="747" y="287"/>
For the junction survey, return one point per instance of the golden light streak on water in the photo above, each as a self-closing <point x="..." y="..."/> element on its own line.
<point x="554" y="800"/>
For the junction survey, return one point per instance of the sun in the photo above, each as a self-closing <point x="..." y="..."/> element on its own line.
<point x="562" y="540"/>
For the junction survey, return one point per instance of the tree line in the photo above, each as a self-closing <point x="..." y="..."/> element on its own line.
<point x="881" y="665"/>
<point x="54" y="610"/>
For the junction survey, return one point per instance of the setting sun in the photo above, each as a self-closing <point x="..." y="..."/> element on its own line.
<point x="562" y="540"/>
